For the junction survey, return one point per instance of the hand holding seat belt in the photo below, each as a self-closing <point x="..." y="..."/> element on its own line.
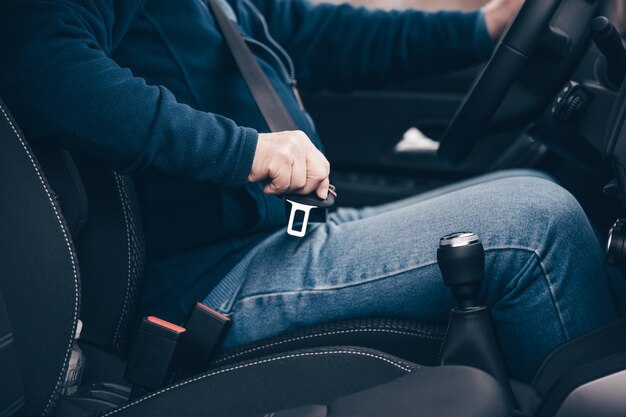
<point x="276" y="116"/>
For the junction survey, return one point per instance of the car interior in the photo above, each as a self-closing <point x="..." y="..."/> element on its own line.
<point x="551" y="98"/>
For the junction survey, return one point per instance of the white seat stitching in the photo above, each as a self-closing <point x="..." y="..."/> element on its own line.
<point x="259" y="362"/>
<point x="328" y="333"/>
<point x="73" y="261"/>
<point x="128" y="284"/>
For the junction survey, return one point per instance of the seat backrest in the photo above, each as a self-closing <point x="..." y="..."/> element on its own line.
<point x="111" y="255"/>
<point x="102" y="210"/>
<point x="60" y="215"/>
<point x="39" y="275"/>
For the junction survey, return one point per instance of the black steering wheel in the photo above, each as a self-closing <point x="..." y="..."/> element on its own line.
<point x="496" y="78"/>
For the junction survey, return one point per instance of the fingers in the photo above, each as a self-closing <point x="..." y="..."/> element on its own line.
<point x="279" y="184"/>
<point x="318" y="170"/>
<point x="322" y="190"/>
<point x="298" y="176"/>
<point x="288" y="179"/>
<point x="499" y="13"/>
<point x="288" y="162"/>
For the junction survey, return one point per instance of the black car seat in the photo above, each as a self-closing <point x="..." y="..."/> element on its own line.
<point x="102" y="213"/>
<point x="42" y="287"/>
<point x="101" y="210"/>
<point x="42" y="281"/>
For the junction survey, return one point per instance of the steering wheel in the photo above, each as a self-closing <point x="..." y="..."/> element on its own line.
<point x="496" y="78"/>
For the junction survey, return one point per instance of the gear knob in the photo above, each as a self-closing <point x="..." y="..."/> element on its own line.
<point x="461" y="259"/>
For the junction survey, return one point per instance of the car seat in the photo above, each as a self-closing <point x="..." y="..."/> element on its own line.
<point x="57" y="263"/>
<point x="43" y="294"/>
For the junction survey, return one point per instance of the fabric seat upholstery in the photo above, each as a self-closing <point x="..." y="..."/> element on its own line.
<point x="333" y="382"/>
<point x="39" y="277"/>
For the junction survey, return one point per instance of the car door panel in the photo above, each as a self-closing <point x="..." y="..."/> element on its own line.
<point x="361" y="131"/>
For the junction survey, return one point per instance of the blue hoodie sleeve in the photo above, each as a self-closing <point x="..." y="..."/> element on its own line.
<point x="346" y="47"/>
<point x="61" y="85"/>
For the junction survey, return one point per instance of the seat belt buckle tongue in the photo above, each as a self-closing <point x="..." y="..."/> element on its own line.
<point x="302" y="209"/>
<point x="150" y="364"/>
<point x="296" y="209"/>
<point x="206" y="331"/>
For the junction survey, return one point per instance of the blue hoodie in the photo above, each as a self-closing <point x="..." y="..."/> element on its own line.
<point x="150" y="88"/>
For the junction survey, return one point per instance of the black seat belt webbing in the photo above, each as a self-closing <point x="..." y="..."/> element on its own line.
<point x="273" y="109"/>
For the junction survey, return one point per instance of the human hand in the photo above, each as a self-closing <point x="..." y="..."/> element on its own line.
<point x="289" y="163"/>
<point x="499" y="13"/>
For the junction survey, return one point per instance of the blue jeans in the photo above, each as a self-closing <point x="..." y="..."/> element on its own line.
<point x="545" y="277"/>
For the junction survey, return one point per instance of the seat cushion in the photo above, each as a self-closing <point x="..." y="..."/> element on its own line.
<point x="278" y="382"/>
<point x="406" y="339"/>
<point x="450" y="391"/>
<point x="333" y="382"/>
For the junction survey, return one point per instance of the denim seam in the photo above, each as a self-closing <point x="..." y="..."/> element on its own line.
<point x="225" y="293"/>
<point x="548" y="282"/>
<point x="260" y="362"/>
<point x="550" y="285"/>
<point x="553" y="295"/>
<point x="362" y="282"/>
<point x="424" y="335"/>
<point x="232" y="302"/>
<point x="230" y="286"/>
<point x="336" y="287"/>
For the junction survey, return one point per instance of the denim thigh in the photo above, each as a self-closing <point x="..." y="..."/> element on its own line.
<point x="545" y="278"/>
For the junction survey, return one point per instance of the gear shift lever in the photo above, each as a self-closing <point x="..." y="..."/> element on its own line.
<point x="470" y="339"/>
<point x="461" y="258"/>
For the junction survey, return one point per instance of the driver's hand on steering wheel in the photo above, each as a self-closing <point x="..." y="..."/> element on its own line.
<point x="288" y="162"/>
<point x="499" y="13"/>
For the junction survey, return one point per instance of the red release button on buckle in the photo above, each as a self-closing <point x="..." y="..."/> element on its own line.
<point x="211" y="311"/>
<point x="166" y="324"/>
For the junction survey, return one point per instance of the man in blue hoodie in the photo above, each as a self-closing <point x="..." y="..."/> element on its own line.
<point x="150" y="87"/>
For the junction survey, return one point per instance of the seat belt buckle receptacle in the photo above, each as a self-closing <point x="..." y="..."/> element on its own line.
<point x="206" y="331"/>
<point x="150" y="364"/>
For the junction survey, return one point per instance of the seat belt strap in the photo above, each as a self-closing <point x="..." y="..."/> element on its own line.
<point x="271" y="106"/>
